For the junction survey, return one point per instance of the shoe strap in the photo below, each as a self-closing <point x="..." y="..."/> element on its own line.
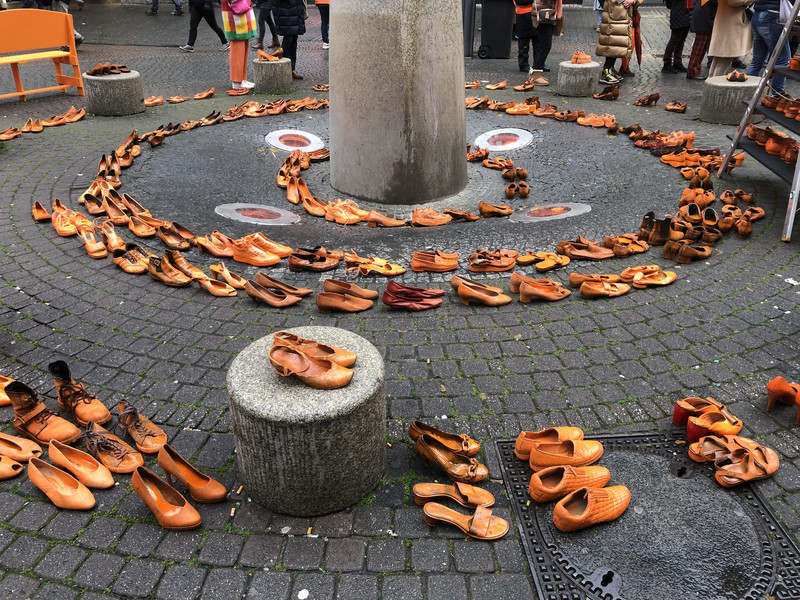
<point x="480" y="522"/>
<point x="39" y="413"/>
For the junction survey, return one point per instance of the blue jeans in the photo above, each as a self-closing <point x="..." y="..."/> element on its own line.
<point x="766" y="32"/>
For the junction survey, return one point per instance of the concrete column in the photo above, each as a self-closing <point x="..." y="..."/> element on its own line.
<point x="397" y="117"/>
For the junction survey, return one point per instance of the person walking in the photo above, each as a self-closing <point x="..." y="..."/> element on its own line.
<point x="541" y="22"/>
<point x="199" y="10"/>
<point x="239" y="27"/>
<point x="324" y="8"/>
<point x="766" y="33"/>
<point x="679" y="21"/>
<point x="731" y="36"/>
<point x="616" y="36"/>
<point x="290" y="22"/>
<point x="62" y="6"/>
<point x="154" y="9"/>
<point x="701" y="25"/>
<point x="264" y="21"/>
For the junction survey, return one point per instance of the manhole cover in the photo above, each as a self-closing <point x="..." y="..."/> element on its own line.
<point x="502" y="140"/>
<point x="683" y="536"/>
<point x="258" y="214"/>
<point x="293" y="139"/>
<point x="550" y="212"/>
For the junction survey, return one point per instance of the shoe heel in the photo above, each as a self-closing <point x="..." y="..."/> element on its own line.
<point x="514" y="288"/>
<point x="430" y="522"/>
<point x="169" y="478"/>
<point x="771" y="400"/>
<point x="372" y="224"/>
<point x="465" y="301"/>
<point x="524" y="298"/>
<point x="420" y="501"/>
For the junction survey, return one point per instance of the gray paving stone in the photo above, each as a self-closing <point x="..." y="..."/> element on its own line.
<point x="303" y="554"/>
<point x="179" y="545"/>
<point x="60" y="562"/>
<point x="180" y="582"/>
<point x="499" y="587"/>
<point x="33" y="516"/>
<point x="140" y="539"/>
<point x="17" y="586"/>
<point x="344" y="555"/>
<point x="430" y="556"/>
<point x="23" y="553"/>
<point x="473" y="557"/>
<point x="372" y="521"/>
<point x="66" y="525"/>
<point x="270" y="585"/>
<point x="446" y="587"/>
<point x="253" y="517"/>
<point x="401" y="587"/>
<point x="357" y="587"/>
<point x="9" y="504"/>
<point x="139" y="578"/>
<point x="222" y="584"/>
<point x="98" y="571"/>
<point x="221" y="549"/>
<point x="54" y="591"/>
<point x="386" y="555"/>
<point x="261" y="551"/>
<point x="102" y="533"/>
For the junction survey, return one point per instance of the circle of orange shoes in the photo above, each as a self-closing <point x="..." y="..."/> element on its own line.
<point x="562" y="464"/>
<point x="453" y="454"/>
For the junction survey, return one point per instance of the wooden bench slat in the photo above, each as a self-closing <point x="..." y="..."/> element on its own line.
<point x="20" y="58"/>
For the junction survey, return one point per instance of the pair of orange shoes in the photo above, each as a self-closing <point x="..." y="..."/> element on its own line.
<point x="344" y="297"/>
<point x="580" y="58"/>
<point x="736" y="459"/>
<point x="472" y="291"/>
<point x="593" y="120"/>
<point x="560" y="459"/>
<point x="317" y="365"/>
<point x="543" y="261"/>
<point x="275" y="56"/>
<point x="705" y="416"/>
<point x="434" y="261"/>
<point x="536" y="289"/>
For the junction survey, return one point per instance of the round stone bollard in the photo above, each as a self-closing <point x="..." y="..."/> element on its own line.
<point x="577" y="79"/>
<point x="724" y="101"/>
<point x="302" y="451"/>
<point x="272" y="77"/>
<point x="114" y="95"/>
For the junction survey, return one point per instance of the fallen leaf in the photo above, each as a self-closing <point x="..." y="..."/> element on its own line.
<point x="444" y="389"/>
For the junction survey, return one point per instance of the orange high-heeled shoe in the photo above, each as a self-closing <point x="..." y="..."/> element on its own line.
<point x="780" y="390"/>
<point x="233" y="280"/>
<point x="168" y="505"/>
<point x="202" y="488"/>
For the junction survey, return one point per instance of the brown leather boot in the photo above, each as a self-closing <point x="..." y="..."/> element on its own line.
<point x="73" y="397"/>
<point x="34" y="420"/>
<point x="147" y="436"/>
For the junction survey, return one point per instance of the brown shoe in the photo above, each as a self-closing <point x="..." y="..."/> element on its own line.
<point x="148" y="437"/>
<point x="314" y="349"/>
<point x="343" y="287"/>
<point x="274" y="297"/>
<point x="170" y="508"/>
<point x="73" y="397"/>
<point x="172" y="239"/>
<point x="494" y="210"/>
<point x="110" y="450"/>
<point x="461" y="215"/>
<point x="481" y="294"/>
<point x="176" y="260"/>
<point x="484" y="261"/>
<point x="428" y="217"/>
<point x="435" y="261"/>
<point x="202" y="488"/>
<point x="584" y="250"/>
<point x="129" y="263"/>
<point x="459" y="443"/>
<point x="276" y="284"/>
<point x="246" y="252"/>
<point x="456" y="466"/>
<point x="315" y="259"/>
<point x="62" y="488"/>
<point x="328" y="301"/>
<point x="172" y="279"/>
<point x="319" y="373"/>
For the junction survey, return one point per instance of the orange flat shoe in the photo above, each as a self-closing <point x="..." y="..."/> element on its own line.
<point x="84" y="467"/>
<point x="494" y="210"/>
<point x="318" y="373"/>
<point x="527" y="441"/>
<point x="629" y="274"/>
<point x="314" y="349"/>
<point x="569" y="453"/>
<point x="9" y="468"/>
<point x="459" y="443"/>
<point x="344" y="287"/>
<point x="154" y="101"/>
<point x="209" y="93"/>
<point x="275" y="298"/>
<point x="589" y="506"/>
<point x="578" y="279"/>
<point x="554" y="483"/>
<point x="642" y="281"/>
<point x="436" y="261"/>
<point x="465" y="494"/>
<point x="202" y="488"/>
<point x="40" y="212"/>
<point x="456" y="466"/>
<point x="62" y="488"/>
<point x="332" y="301"/>
<point x="375" y="218"/>
<point x="543" y="289"/>
<point x="601" y="289"/>
<point x="470" y="291"/>
<point x="580" y="58"/>
<point x="19" y="449"/>
<point x="170" y="508"/>
<point x="497" y="86"/>
<point x="139" y="227"/>
<point x="481" y="525"/>
<point x="428" y="217"/>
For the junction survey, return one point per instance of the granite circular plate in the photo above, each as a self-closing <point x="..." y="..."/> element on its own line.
<point x="550" y="212"/>
<point x="258" y="214"/>
<point x="294" y="139"/>
<point x="502" y="140"/>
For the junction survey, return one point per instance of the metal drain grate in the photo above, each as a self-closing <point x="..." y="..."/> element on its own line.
<point x="683" y="536"/>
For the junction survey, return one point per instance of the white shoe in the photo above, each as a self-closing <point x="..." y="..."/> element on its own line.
<point x="325" y="45"/>
<point x="248" y="84"/>
<point x="236" y="86"/>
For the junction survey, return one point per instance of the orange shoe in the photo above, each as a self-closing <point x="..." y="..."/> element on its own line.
<point x="713" y="423"/>
<point x="581" y="58"/>
<point x="569" y="453"/>
<point x="527" y="441"/>
<point x="780" y="390"/>
<point x="588" y="506"/>
<point x="73" y="397"/>
<point x="170" y="508"/>
<point x="248" y="253"/>
<point x="428" y="217"/>
<point x="554" y="483"/>
<point x="62" y="488"/>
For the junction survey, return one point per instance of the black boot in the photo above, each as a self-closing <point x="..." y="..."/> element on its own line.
<point x="678" y="66"/>
<point x="667" y="68"/>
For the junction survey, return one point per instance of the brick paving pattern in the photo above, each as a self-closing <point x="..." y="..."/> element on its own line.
<point x="726" y="327"/>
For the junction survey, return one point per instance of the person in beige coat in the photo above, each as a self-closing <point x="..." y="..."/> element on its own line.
<point x="616" y="36"/>
<point x="731" y="36"/>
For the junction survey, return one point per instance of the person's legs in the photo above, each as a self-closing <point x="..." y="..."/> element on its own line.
<point x="195" y="15"/>
<point x="262" y="28"/>
<point x="238" y="60"/>
<point x="522" y="53"/>
<point x="289" y="46"/>
<point x="669" y="51"/>
<point x="677" y="51"/>
<point x="275" y="41"/>
<point x="324" y="15"/>
<point x="761" y="31"/>
<point x="542" y="44"/>
<point x="178" y="7"/>
<point x="719" y="66"/>
<point x="699" y="49"/>
<point x="769" y="32"/>
<point x="211" y="19"/>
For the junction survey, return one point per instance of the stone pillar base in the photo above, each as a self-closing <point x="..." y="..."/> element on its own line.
<point x="578" y="79"/>
<point x="272" y="77"/>
<point x="114" y="95"/>
<point x="724" y="101"/>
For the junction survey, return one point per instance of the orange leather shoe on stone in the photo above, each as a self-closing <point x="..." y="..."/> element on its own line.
<point x="18" y="449"/>
<point x="110" y="450"/>
<point x="481" y="525"/>
<point x="713" y="423"/>
<point x="330" y="301"/>
<point x="318" y="373"/>
<point x="780" y="390"/>
<point x="465" y="494"/>
<point x="456" y="466"/>
<point x="344" y="287"/>
<point x="34" y="420"/>
<point x="62" y="488"/>
<point x="589" y="506"/>
<point x="170" y="508"/>
<point x="569" y="453"/>
<point x="435" y="261"/>
<point x="527" y="441"/>
<point x="553" y="483"/>
<point x="74" y="399"/>
<point x="84" y="467"/>
<point x="202" y="488"/>
<point x="494" y="210"/>
<point x="251" y="254"/>
<point x="147" y="436"/>
<point x="314" y="349"/>
<point x="460" y="443"/>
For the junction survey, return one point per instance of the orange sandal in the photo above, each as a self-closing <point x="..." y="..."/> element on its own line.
<point x="463" y="493"/>
<point x="482" y="525"/>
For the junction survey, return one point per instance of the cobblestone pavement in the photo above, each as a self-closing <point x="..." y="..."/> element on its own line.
<point x="724" y="329"/>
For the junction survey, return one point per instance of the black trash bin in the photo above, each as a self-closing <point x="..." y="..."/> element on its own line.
<point x="497" y="24"/>
<point x="468" y="21"/>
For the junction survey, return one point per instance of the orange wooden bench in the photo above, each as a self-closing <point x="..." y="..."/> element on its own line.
<point x="30" y="34"/>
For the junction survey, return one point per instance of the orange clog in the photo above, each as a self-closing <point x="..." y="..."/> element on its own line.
<point x="588" y="506"/>
<point x="569" y="453"/>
